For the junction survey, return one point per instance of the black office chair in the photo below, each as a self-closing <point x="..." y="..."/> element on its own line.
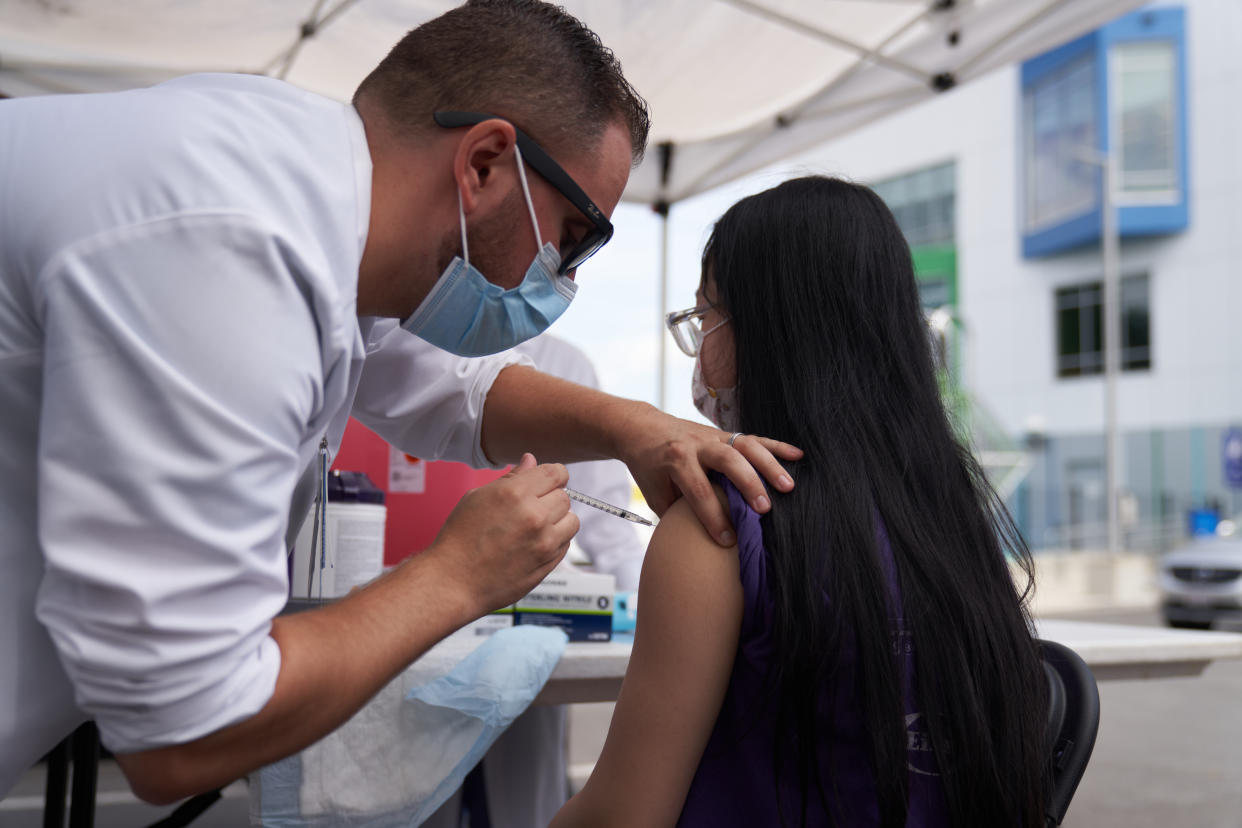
<point x="81" y="750"/>
<point x="1073" y="721"/>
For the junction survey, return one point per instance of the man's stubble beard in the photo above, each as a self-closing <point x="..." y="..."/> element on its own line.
<point x="492" y="239"/>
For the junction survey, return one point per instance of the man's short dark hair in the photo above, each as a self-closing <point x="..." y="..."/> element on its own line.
<point x="530" y="62"/>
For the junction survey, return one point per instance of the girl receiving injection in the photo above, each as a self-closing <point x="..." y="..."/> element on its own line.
<point x="861" y="657"/>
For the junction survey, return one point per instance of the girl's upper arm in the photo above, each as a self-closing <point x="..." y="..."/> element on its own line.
<point x="686" y="637"/>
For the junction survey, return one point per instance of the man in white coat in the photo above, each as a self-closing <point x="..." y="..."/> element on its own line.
<point x="199" y="281"/>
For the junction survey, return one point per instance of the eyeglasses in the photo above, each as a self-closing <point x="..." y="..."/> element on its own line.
<point x="554" y="174"/>
<point x="686" y="326"/>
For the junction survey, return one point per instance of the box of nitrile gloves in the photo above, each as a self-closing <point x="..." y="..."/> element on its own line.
<point x="580" y="603"/>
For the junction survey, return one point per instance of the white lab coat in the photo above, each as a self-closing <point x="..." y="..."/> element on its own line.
<point x="178" y="271"/>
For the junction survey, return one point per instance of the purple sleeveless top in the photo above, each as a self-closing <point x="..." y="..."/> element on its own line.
<point x="735" y="784"/>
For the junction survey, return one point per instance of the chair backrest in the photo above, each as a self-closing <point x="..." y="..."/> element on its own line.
<point x="1073" y="721"/>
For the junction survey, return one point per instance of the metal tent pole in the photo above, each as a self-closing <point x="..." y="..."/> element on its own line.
<point x="662" y="206"/>
<point x="662" y="209"/>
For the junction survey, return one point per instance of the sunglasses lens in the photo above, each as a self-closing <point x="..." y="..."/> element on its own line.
<point x="583" y="250"/>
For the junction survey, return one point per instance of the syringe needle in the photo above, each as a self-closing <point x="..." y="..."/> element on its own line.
<point x="606" y="507"/>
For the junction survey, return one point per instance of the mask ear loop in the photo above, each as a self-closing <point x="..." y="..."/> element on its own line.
<point x="716" y="327"/>
<point x="461" y="214"/>
<point x="530" y="205"/>
<point x="703" y="334"/>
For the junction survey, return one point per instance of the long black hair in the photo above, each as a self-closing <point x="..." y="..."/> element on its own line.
<point x="833" y="355"/>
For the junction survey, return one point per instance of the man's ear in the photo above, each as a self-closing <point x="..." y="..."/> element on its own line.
<point x="484" y="149"/>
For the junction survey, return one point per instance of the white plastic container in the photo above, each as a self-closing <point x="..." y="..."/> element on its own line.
<point x="356" y="517"/>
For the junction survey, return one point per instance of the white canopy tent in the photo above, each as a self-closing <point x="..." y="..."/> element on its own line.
<point x="733" y="85"/>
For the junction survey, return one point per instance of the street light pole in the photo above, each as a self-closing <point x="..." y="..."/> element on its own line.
<point x="1110" y="253"/>
<point x="1110" y="244"/>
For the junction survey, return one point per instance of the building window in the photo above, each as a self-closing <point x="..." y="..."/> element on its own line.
<point x="924" y="204"/>
<point x="1145" y="117"/>
<point x="1135" y="324"/>
<point x="1120" y="89"/>
<point x="934" y="293"/>
<point x="1080" y="327"/>
<point x="1061" y="122"/>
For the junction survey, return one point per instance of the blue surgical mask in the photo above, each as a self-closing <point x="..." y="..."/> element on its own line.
<point x="467" y="315"/>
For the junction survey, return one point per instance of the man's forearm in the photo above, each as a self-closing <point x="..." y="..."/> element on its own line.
<point x="332" y="661"/>
<point x="668" y="457"/>
<point x="554" y="419"/>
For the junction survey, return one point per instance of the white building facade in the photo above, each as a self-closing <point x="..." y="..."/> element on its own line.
<point x="1003" y="219"/>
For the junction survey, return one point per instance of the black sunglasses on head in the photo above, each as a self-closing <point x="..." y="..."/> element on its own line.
<point x="554" y="174"/>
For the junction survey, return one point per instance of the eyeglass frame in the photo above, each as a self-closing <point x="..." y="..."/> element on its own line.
<point x="552" y="172"/>
<point x="676" y="318"/>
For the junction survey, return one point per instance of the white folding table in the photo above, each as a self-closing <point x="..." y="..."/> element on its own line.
<point x="593" y="672"/>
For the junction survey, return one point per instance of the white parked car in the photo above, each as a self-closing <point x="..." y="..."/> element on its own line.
<point x="1201" y="583"/>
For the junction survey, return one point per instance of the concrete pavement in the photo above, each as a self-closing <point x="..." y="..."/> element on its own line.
<point x="1169" y="751"/>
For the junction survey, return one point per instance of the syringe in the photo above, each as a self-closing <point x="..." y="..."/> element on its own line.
<point x="607" y="507"/>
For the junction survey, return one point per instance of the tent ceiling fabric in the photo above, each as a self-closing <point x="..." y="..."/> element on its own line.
<point x="733" y="85"/>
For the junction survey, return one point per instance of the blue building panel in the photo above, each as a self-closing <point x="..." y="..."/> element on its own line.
<point x="1134" y="220"/>
<point x="1075" y="232"/>
<point x="1037" y="68"/>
